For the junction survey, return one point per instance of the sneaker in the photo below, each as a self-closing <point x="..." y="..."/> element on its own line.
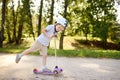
<point x="18" y="57"/>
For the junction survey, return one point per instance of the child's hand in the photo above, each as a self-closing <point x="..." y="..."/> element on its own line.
<point x="53" y="35"/>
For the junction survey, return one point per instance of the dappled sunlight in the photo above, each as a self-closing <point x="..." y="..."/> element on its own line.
<point x="90" y="65"/>
<point x="104" y="51"/>
<point x="7" y="65"/>
<point x="28" y="41"/>
<point x="95" y="67"/>
<point x="6" y="60"/>
<point x="67" y="43"/>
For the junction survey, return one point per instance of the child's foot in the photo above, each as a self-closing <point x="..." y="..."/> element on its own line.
<point x="18" y="57"/>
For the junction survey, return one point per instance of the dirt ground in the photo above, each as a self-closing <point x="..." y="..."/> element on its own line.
<point x="73" y="68"/>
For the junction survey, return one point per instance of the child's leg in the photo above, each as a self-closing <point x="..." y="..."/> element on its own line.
<point x="33" y="48"/>
<point x="43" y="52"/>
<point x="44" y="59"/>
<point x="19" y="56"/>
<point x="27" y="51"/>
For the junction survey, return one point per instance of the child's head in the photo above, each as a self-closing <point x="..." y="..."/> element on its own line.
<point x="59" y="27"/>
<point x="61" y="24"/>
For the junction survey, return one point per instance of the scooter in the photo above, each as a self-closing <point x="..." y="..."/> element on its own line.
<point x="57" y="70"/>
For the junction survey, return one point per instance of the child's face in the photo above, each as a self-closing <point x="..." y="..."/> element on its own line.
<point x="59" y="28"/>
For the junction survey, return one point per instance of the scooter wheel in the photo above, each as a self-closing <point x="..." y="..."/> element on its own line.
<point x="61" y="70"/>
<point x="56" y="66"/>
<point x="55" y="72"/>
<point x="35" y="70"/>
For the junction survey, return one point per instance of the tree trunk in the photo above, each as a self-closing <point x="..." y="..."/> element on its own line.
<point x="61" y="40"/>
<point x="51" y="13"/>
<point x="20" y="25"/>
<point x="30" y="20"/>
<point x="3" y="23"/>
<point x="8" y="34"/>
<point x="86" y="36"/>
<point x="40" y="17"/>
<point x="14" y="23"/>
<point x="8" y="27"/>
<point x="18" y="40"/>
<point x="62" y="34"/>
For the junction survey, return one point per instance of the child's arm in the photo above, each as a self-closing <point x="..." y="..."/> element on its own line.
<point x="44" y="31"/>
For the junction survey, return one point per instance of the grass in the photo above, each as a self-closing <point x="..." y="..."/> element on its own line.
<point x="12" y="49"/>
<point x="69" y="50"/>
<point x="88" y="53"/>
<point x="69" y="53"/>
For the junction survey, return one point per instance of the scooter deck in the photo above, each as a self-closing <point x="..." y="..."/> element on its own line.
<point x="36" y="71"/>
<point x="54" y="72"/>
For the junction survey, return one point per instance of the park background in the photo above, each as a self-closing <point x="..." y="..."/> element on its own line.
<point x="93" y="26"/>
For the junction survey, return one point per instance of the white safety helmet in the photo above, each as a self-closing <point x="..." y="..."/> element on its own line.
<point x="62" y="21"/>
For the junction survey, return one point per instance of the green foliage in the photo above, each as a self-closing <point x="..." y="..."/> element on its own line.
<point x="115" y="33"/>
<point x="69" y="53"/>
<point x="18" y="22"/>
<point x="104" y="13"/>
<point x="94" y="17"/>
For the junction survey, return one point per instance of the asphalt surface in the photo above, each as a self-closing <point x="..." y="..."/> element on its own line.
<point x="73" y="68"/>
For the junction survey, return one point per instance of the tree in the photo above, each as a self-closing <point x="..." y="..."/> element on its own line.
<point x="24" y="20"/>
<point x="40" y="17"/>
<point x="115" y="33"/>
<point x="48" y="13"/>
<point x="2" y="24"/>
<point x="10" y="23"/>
<point x="62" y="34"/>
<point x="77" y="16"/>
<point x="84" y="20"/>
<point x="51" y="12"/>
<point x="27" y="13"/>
<point x="94" y="17"/>
<point x="14" y="22"/>
<point x="103" y="18"/>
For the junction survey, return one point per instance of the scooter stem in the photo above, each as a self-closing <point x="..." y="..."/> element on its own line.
<point x="55" y="50"/>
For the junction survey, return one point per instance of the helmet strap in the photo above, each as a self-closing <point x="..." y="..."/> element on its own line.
<point x="55" y="29"/>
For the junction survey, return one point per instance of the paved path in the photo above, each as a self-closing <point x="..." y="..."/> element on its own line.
<point x="74" y="68"/>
